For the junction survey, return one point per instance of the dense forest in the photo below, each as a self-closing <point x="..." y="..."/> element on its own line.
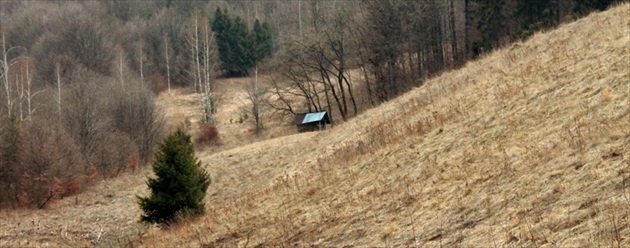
<point x="79" y="77"/>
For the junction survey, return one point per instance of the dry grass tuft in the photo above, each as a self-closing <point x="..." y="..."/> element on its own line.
<point x="528" y="146"/>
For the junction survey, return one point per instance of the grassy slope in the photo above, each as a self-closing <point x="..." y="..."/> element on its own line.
<point x="528" y="146"/>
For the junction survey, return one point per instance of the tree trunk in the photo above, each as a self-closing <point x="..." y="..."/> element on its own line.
<point x="120" y="68"/>
<point x="168" y="68"/>
<point x="454" y="50"/>
<point x="58" y="71"/>
<point x="5" y="67"/>
<point x="19" y="84"/>
<point x="207" y="94"/>
<point x="466" y="29"/>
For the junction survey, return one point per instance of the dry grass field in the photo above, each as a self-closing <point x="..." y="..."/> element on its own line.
<point x="233" y="118"/>
<point x="527" y="147"/>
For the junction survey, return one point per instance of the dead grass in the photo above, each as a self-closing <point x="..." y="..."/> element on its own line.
<point x="182" y="109"/>
<point x="105" y="214"/>
<point x="528" y="146"/>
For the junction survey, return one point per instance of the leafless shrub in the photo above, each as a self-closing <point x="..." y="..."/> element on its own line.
<point x="114" y="155"/>
<point x="49" y="162"/>
<point x="83" y="117"/>
<point x="132" y="112"/>
<point x="9" y="148"/>
<point x="208" y="135"/>
<point x="78" y="33"/>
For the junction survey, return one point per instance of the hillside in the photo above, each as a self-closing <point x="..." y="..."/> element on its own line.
<point x="529" y="146"/>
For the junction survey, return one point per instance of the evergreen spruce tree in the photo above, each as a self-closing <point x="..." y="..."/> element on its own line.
<point x="222" y="26"/>
<point x="535" y="14"/>
<point x="239" y="48"/>
<point x="262" y="41"/>
<point x="180" y="183"/>
<point x="490" y="22"/>
<point x="241" y="45"/>
<point x="584" y="6"/>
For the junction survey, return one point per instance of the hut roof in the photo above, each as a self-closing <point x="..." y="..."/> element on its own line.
<point x="311" y="117"/>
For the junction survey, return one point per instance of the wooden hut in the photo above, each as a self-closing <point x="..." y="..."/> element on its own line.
<point x="314" y="121"/>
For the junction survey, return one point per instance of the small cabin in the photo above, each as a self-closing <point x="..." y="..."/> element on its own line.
<point x="314" y="121"/>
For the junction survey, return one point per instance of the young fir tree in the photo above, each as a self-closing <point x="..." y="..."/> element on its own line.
<point x="180" y="183"/>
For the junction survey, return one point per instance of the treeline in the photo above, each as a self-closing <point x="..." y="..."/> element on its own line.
<point x="351" y="55"/>
<point x="77" y="99"/>
<point x="445" y="34"/>
<point x="78" y="77"/>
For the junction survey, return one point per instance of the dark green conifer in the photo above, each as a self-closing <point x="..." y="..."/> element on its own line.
<point x="239" y="48"/>
<point x="179" y="185"/>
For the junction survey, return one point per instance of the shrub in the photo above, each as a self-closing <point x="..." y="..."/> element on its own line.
<point x="208" y="135"/>
<point x="48" y="163"/>
<point x="180" y="184"/>
<point x="9" y="161"/>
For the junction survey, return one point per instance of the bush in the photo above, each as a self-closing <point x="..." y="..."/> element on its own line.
<point x="208" y="135"/>
<point x="50" y="163"/>
<point x="180" y="184"/>
<point x="9" y="161"/>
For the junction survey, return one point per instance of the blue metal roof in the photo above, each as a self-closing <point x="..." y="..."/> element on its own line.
<point x="313" y="117"/>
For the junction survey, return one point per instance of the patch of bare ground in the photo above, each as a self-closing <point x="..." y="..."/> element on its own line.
<point x="529" y="146"/>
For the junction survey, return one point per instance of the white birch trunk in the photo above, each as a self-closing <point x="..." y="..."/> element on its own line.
<point x="5" y="67"/>
<point x="300" y="16"/>
<point x="141" y="59"/>
<point x="29" y="95"/>
<point x="208" y="107"/>
<point x="19" y="85"/>
<point x="120" y="69"/>
<point x="198" y="82"/>
<point x="168" y="69"/>
<point x="58" y="69"/>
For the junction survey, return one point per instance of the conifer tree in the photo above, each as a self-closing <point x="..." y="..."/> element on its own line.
<point x="491" y="24"/>
<point x="262" y="41"/>
<point x="239" y="48"/>
<point x="221" y="25"/>
<point x="535" y="14"/>
<point x="180" y="183"/>
<point x="585" y="6"/>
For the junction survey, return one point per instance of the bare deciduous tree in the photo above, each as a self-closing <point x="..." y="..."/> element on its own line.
<point x="256" y="96"/>
<point x="49" y="162"/>
<point x="202" y="56"/>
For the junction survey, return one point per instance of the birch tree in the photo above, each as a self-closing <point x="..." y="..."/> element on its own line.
<point x="58" y="73"/>
<point x="4" y="73"/>
<point x="29" y="92"/>
<point x="209" y="62"/>
<point x="141" y="57"/>
<point x="202" y="64"/>
<point x="168" y="68"/>
<point x="120" y="66"/>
